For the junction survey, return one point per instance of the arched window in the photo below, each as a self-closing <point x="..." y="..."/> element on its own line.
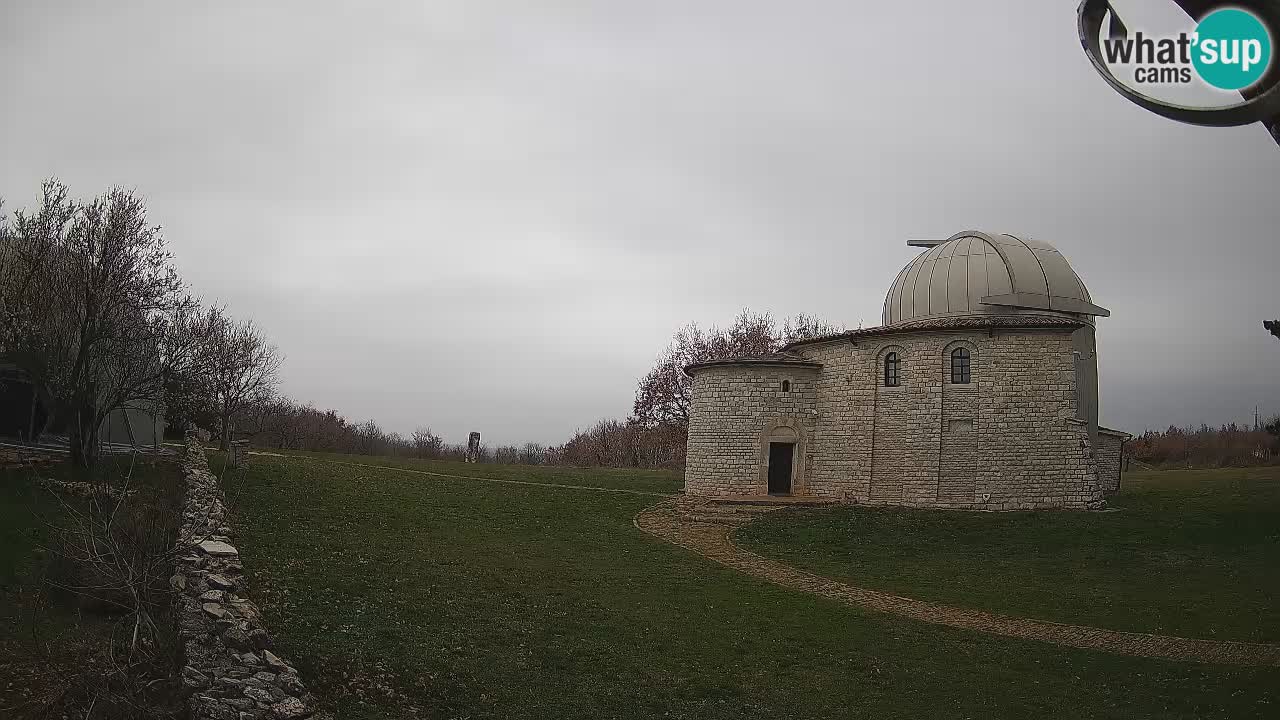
<point x="960" y="366"/>
<point x="786" y="386"/>
<point x="891" y="370"/>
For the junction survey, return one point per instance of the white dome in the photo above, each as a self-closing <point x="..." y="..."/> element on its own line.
<point x="978" y="273"/>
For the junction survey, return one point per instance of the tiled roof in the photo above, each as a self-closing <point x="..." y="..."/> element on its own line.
<point x="950" y="323"/>
<point x="769" y="359"/>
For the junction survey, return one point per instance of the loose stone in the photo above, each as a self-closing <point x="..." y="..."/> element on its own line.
<point x="214" y="610"/>
<point x="218" y="548"/>
<point x="290" y="709"/>
<point x="218" y="582"/>
<point x="273" y="661"/>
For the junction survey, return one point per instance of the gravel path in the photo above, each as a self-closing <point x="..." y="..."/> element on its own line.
<point x="671" y="521"/>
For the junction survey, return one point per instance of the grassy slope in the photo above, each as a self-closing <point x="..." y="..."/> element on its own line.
<point x="1193" y="553"/>
<point x="470" y="599"/>
<point x="662" y="481"/>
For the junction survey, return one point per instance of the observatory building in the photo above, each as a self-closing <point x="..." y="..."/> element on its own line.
<point x="979" y="391"/>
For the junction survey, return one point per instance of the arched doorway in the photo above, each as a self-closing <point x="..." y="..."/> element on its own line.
<point x="781" y="458"/>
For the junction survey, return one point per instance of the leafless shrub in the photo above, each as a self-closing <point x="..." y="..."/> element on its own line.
<point x="112" y="555"/>
<point x="427" y="444"/>
<point x="506" y="455"/>
<point x="533" y="454"/>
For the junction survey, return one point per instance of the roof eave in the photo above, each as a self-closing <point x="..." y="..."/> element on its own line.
<point x="749" y="362"/>
<point x="1002" y="322"/>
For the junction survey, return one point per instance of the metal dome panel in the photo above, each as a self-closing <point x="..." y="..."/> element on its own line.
<point x="977" y="273"/>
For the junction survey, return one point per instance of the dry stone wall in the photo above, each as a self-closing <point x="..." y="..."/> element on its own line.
<point x="1006" y="441"/>
<point x="230" y="667"/>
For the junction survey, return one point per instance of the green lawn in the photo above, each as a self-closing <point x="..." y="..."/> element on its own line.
<point x="660" y="481"/>
<point x="1191" y="552"/>
<point x="402" y="595"/>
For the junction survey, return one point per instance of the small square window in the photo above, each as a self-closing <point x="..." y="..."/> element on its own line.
<point x="786" y="386"/>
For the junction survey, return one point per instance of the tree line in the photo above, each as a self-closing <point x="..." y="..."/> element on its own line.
<point x="94" y="314"/>
<point x="1230" y="445"/>
<point x="653" y="436"/>
<point x="97" y="318"/>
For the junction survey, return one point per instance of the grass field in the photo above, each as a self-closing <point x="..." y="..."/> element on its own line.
<point x="1190" y="552"/>
<point x="660" y="481"/>
<point x="407" y="595"/>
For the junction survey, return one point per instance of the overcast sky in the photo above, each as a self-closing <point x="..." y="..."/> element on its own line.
<point x="492" y="216"/>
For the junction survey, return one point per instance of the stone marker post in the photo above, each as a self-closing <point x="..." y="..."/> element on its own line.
<point x="473" y="448"/>
<point x="239" y="453"/>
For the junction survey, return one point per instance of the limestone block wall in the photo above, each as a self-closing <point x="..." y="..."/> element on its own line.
<point x="1110" y="446"/>
<point x="733" y="409"/>
<point x="960" y="429"/>
<point x="1032" y="452"/>
<point x="841" y="441"/>
<point x="905" y="459"/>
<point x="1007" y="440"/>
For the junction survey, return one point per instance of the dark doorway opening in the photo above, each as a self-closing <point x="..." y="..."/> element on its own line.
<point x="21" y="412"/>
<point x="780" y="455"/>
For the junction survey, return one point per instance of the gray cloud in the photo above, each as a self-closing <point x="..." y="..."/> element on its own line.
<point x="493" y="215"/>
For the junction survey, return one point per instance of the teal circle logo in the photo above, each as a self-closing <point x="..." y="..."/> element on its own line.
<point x="1232" y="49"/>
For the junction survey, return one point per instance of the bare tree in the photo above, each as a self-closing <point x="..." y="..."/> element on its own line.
<point x="506" y="455"/>
<point x="93" y="309"/>
<point x="370" y="438"/>
<point x="807" y="327"/>
<point x="27" y="248"/>
<point x="663" y="394"/>
<point x="242" y="367"/>
<point x="532" y="454"/>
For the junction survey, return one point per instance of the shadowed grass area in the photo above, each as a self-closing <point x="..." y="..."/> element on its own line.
<point x="404" y="597"/>
<point x="1193" y="553"/>
<point x="52" y="640"/>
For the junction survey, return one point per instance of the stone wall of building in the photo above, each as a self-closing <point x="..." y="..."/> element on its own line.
<point x="733" y="411"/>
<point x="960" y="430"/>
<point x="1110" y="446"/>
<point x="1007" y="440"/>
<point x="230" y="667"/>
